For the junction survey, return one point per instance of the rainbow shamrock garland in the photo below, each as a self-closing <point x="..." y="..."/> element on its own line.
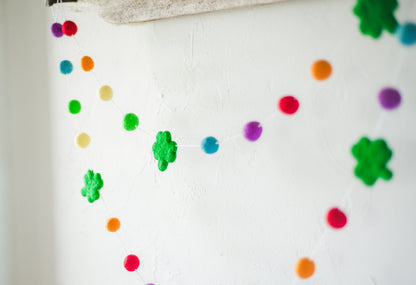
<point x="372" y="155"/>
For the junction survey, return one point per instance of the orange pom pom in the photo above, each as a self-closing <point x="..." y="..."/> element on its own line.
<point x="305" y="268"/>
<point x="112" y="225"/>
<point x="321" y="70"/>
<point x="87" y="63"/>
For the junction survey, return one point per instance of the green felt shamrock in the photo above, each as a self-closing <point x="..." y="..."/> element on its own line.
<point x="164" y="150"/>
<point x="372" y="157"/>
<point x="93" y="183"/>
<point x="376" y="16"/>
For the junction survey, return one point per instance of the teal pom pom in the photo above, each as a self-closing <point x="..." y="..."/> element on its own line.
<point x="210" y="145"/>
<point x="407" y="34"/>
<point x="66" y="67"/>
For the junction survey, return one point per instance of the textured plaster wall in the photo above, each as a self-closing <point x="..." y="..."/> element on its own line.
<point x="246" y="214"/>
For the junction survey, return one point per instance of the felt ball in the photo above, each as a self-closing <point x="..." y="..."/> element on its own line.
<point x="112" y="224"/>
<point x="389" y="98"/>
<point x="321" y="70"/>
<point x="131" y="262"/>
<point x="105" y="93"/>
<point x="56" y="30"/>
<point x="87" y="63"/>
<point x="407" y="34"/>
<point x="69" y="28"/>
<point x="66" y="67"/>
<point x="74" y="107"/>
<point x="336" y="218"/>
<point x="210" y="145"/>
<point x="131" y="122"/>
<point x="288" y="105"/>
<point x="252" y="131"/>
<point x="82" y="140"/>
<point x="304" y="268"/>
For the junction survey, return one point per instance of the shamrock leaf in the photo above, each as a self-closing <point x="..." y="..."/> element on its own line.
<point x="164" y="150"/>
<point x="372" y="157"/>
<point x="93" y="183"/>
<point x="376" y="16"/>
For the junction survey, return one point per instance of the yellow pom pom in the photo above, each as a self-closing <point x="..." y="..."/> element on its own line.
<point x="82" y="140"/>
<point x="105" y="93"/>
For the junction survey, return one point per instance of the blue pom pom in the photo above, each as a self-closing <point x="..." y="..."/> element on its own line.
<point x="210" y="145"/>
<point x="407" y="34"/>
<point x="66" y="67"/>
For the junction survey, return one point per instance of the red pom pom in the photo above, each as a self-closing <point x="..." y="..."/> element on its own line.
<point x="131" y="262"/>
<point x="69" y="28"/>
<point x="336" y="218"/>
<point x="288" y="105"/>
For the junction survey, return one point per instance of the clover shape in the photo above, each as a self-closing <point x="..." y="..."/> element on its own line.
<point x="372" y="157"/>
<point x="376" y="16"/>
<point x="93" y="183"/>
<point x="164" y="150"/>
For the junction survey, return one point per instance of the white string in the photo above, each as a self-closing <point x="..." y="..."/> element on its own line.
<point x="399" y="66"/>
<point x="188" y="145"/>
<point x="269" y="118"/>
<point x="347" y="193"/>
<point x="231" y="138"/>
<point x="117" y="107"/>
<point x="379" y="124"/>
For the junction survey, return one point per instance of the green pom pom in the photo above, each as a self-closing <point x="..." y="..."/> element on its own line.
<point x="164" y="150"/>
<point x="74" y="107"/>
<point x="131" y="122"/>
<point x="376" y="16"/>
<point x="372" y="158"/>
<point x="93" y="184"/>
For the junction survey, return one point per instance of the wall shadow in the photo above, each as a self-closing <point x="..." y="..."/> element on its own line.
<point x="30" y="195"/>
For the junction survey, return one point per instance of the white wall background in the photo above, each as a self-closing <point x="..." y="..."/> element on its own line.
<point x="26" y="196"/>
<point x="245" y="214"/>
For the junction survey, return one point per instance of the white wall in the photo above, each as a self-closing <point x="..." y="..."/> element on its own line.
<point x="26" y="196"/>
<point x="243" y="215"/>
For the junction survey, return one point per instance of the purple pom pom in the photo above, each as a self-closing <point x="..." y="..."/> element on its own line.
<point x="56" y="30"/>
<point x="252" y="131"/>
<point x="389" y="98"/>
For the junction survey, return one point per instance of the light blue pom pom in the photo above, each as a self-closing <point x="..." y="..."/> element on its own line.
<point x="407" y="34"/>
<point x="66" y="67"/>
<point x="210" y="145"/>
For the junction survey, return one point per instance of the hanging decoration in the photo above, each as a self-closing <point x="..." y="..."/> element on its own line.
<point x="372" y="156"/>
